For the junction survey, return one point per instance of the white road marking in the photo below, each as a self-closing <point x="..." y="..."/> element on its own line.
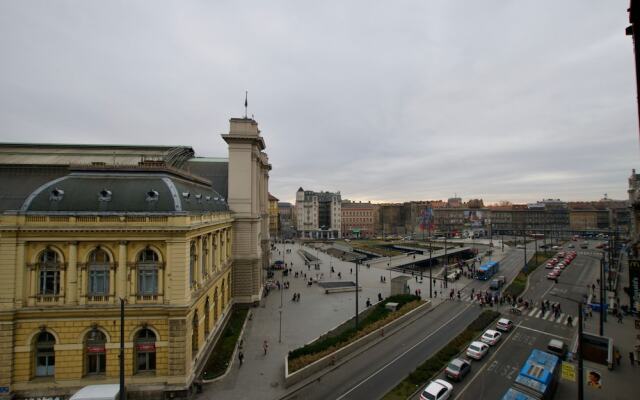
<point x="543" y="332"/>
<point x="559" y="319"/>
<point x="546" y="314"/>
<point x="539" y="314"/>
<point x="532" y="311"/>
<point x="402" y="355"/>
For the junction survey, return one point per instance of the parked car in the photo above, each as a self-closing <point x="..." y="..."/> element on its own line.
<point x="457" y="369"/>
<point x="553" y="275"/>
<point x="549" y="265"/>
<point x="561" y="254"/>
<point x="491" y="337"/>
<point x="557" y="347"/>
<point x="438" y="389"/>
<point x="504" y="325"/>
<point x="477" y="350"/>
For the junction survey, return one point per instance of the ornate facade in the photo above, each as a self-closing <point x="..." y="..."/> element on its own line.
<point x="74" y="244"/>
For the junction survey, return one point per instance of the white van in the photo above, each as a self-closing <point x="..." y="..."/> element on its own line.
<point x="98" y="392"/>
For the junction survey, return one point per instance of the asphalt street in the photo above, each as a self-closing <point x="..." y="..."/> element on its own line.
<point x="491" y="377"/>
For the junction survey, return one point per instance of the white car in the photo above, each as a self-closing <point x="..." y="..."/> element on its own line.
<point x="438" y="389"/>
<point x="491" y="337"/>
<point x="504" y="325"/>
<point x="477" y="350"/>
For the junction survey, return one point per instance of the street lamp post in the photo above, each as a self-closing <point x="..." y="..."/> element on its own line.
<point x="280" y="332"/>
<point x="357" y="283"/>
<point x="579" y="350"/>
<point x="430" y="264"/>
<point x="123" y="390"/>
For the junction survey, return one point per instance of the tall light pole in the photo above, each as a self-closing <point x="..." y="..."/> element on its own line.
<point x="123" y="390"/>
<point x="357" y="283"/>
<point x="430" y="263"/>
<point x="579" y="352"/>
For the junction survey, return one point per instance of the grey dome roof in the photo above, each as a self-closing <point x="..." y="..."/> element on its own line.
<point x="112" y="192"/>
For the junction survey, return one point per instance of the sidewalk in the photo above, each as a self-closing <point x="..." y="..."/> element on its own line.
<point x="261" y="376"/>
<point x="623" y="382"/>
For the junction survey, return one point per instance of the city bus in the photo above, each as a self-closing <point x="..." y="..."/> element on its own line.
<point x="487" y="270"/>
<point x="539" y="376"/>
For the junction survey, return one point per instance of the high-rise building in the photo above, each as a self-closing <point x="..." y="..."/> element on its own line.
<point x="318" y="214"/>
<point x="274" y="217"/>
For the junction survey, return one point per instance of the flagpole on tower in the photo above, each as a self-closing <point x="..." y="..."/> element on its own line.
<point x="246" y="93"/>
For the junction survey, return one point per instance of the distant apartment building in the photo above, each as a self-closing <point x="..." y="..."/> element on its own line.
<point x="274" y="218"/>
<point x="285" y="211"/>
<point x="359" y="219"/>
<point x="318" y="214"/>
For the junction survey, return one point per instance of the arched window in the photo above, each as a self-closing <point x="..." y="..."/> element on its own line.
<point x="148" y="265"/>
<point x="215" y="305"/>
<point x="98" y="273"/>
<point x="95" y="353"/>
<point x="203" y="257"/>
<point x="206" y="317"/>
<point x="49" y="266"/>
<point x="145" y="351"/>
<point x="192" y="264"/>
<point x="45" y="354"/>
<point x="222" y="294"/>
<point x="194" y="335"/>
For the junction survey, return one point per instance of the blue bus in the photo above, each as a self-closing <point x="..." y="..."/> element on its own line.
<point x="487" y="270"/>
<point x="538" y="377"/>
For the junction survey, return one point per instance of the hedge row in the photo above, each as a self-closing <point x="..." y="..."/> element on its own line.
<point x="433" y="365"/>
<point x="220" y="357"/>
<point x="520" y="283"/>
<point x="328" y="341"/>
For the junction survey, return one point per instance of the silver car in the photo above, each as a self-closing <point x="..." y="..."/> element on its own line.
<point x="477" y="350"/>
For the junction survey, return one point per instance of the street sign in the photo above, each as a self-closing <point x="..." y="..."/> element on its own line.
<point x="568" y="371"/>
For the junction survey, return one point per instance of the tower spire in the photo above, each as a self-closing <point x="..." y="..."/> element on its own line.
<point x="246" y="104"/>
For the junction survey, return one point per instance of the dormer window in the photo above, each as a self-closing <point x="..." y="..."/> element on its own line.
<point x="104" y="195"/>
<point x="207" y="198"/>
<point x="56" y="194"/>
<point x="198" y="196"/>
<point x="152" y="195"/>
<point x="186" y="195"/>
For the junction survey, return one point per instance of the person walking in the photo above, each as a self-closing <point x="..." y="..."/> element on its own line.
<point x="240" y="358"/>
<point x="265" y="346"/>
<point x="617" y="356"/>
<point x="569" y="321"/>
<point x="619" y="317"/>
<point x="632" y="358"/>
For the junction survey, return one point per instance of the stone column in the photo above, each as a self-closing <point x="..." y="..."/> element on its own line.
<point x="121" y="272"/>
<point x="33" y="285"/>
<point x="20" y="274"/>
<point x="72" y="274"/>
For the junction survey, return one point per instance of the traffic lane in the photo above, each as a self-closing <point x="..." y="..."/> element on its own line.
<point x="364" y="366"/>
<point x="496" y="375"/>
<point x="388" y="376"/>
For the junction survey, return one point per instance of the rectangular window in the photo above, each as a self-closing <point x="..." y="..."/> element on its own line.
<point x="99" y="280"/>
<point x="147" y="281"/>
<point x="49" y="282"/>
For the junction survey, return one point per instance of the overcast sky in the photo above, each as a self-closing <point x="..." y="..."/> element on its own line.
<point x="382" y="100"/>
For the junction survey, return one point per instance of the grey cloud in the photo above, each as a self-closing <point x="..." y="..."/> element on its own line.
<point x="383" y="101"/>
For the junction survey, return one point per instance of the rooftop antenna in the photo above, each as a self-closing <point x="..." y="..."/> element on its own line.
<point x="246" y="94"/>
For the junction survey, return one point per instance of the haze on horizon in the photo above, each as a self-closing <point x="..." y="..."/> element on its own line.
<point x="409" y="100"/>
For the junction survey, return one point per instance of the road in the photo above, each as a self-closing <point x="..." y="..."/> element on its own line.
<point x="372" y="373"/>
<point x="491" y="377"/>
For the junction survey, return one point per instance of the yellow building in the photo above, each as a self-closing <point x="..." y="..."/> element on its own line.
<point x="274" y="216"/>
<point x="74" y="239"/>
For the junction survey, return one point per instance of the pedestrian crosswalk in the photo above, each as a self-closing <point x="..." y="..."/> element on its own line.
<point x="548" y="315"/>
